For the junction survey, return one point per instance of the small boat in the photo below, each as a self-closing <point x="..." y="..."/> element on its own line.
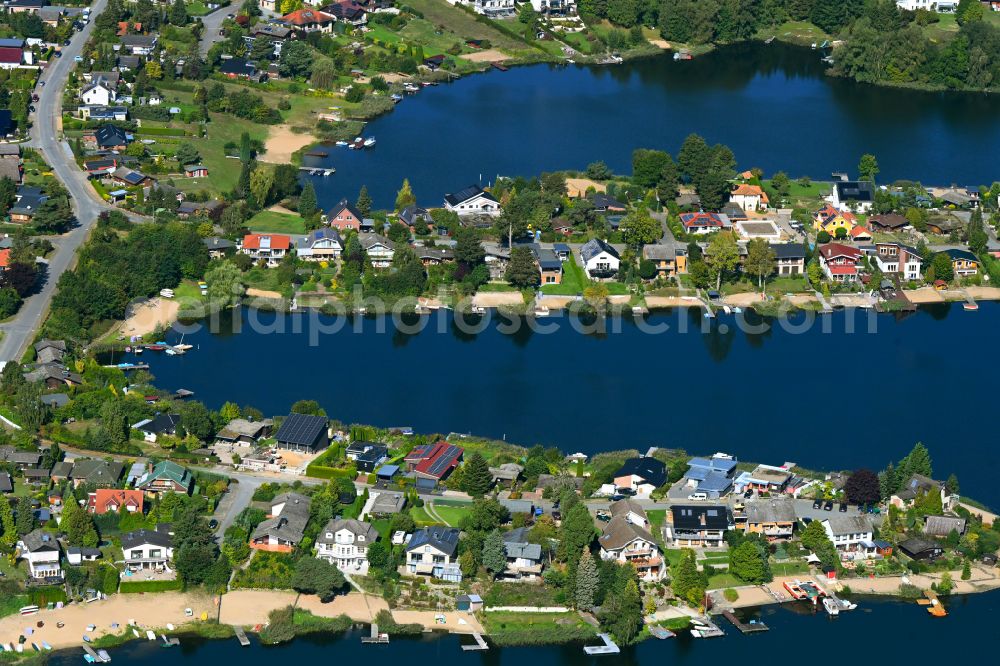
<point x="769" y="39"/>
<point x="411" y="87"/>
<point x="46" y="646"/>
<point x="171" y="352"/>
<point x="89" y="659"/>
<point x="128" y="350"/>
<point x="34" y="646"/>
<point x="136" y="632"/>
<point x="831" y="606"/>
<point x="970" y="306"/>
<point x="369" y="142"/>
<point x="341" y="143"/>
<point x="138" y="350"/>
<point x="91" y="627"/>
<point x="183" y="347"/>
<point x="104" y="656"/>
<point x="60" y="625"/>
<point x="396" y="97"/>
<point x="156" y="347"/>
<point x="86" y="638"/>
<point x="150" y="635"/>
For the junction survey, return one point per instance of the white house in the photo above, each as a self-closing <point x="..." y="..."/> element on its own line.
<point x="148" y="549"/>
<point x="941" y="6"/>
<point x="41" y="550"/>
<point x="749" y="197"/>
<point x="433" y="551"/>
<point x="600" y="260"/>
<point x="524" y="559"/>
<point x="322" y="244"/>
<point x="344" y="543"/>
<point x="853" y="195"/>
<point x="850" y="534"/>
<point x="473" y="200"/>
<point x="627" y="539"/>
<point x="98" y="93"/>
<point x="898" y="258"/>
<point x="558" y="7"/>
<point x="494" y="8"/>
<point x="380" y="250"/>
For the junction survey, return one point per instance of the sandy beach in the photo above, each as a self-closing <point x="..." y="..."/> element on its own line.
<point x="671" y="302"/>
<point x="282" y="142"/>
<point x="488" y="55"/>
<point x="924" y="295"/>
<point x="151" y="315"/>
<point x="493" y="299"/>
<point x="149" y="611"/>
<point x="577" y="187"/>
<point x="253" y="292"/>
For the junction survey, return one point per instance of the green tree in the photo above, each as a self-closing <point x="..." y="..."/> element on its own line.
<point x="969" y="11"/>
<point x="468" y="248"/>
<point x="313" y="575"/>
<point x="78" y="525"/>
<point x="307" y="201"/>
<point x="648" y="166"/>
<point x="296" y="59"/>
<point x="25" y="515"/>
<point x="114" y="422"/>
<point x="178" y="13"/>
<point x="760" y="260"/>
<point x="722" y="256"/>
<point x="868" y="167"/>
<point x="8" y="536"/>
<point x="494" y="555"/>
<point x="187" y="154"/>
<point x="225" y="284"/>
<point x="405" y="197"/>
<point x="599" y="171"/>
<point x="639" y="228"/>
<point x="197" y="420"/>
<point x="942" y="267"/>
<point x="522" y="272"/>
<point x="863" y="487"/>
<point x="748" y="562"/>
<point x="586" y="582"/>
<point x="814" y="538"/>
<point x="261" y="182"/>
<point x="781" y="183"/>
<point x="622" y="613"/>
<point x="229" y="411"/>
<point x="687" y="582"/>
<point x="477" y="478"/>
<point x="364" y="202"/>
<point x="576" y="533"/>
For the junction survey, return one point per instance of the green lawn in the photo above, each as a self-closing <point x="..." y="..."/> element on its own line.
<point x="421" y="517"/>
<point x="723" y="580"/>
<point x="463" y="24"/>
<point x="573" y="280"/>
<point x="656" y="520"/>
<point x="452" y="515"/>
<point x="788" y="568"/>
<point x="801" y="32"/>
<point x="277" y="223"/>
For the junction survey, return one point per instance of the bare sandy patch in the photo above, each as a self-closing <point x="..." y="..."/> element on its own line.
<point x="984" y="293"/>
<point x="661" y="43"/>
<point x="262" y="293"/>
<point x="494" y="299"/>
<point x="577" y="187"/>
<point x="249" y="607"/>
<point x="671" y="302"/>
<point x="489" y="55"/>
<point x="457" y="623"/>
<point x="282" y="142"/>
<point x="744" y="300"/>
<point x="802" y="299"/>
<point x="149" y="611"/>
<point x="278" y="208"/>
<point x="555" y="302"/>
<point x="927" y="295"/>
<point x="357" y="606"/>
<point x="151" y="315"/>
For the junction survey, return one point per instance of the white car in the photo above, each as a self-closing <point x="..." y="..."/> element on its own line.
<point x="698" y="497"/>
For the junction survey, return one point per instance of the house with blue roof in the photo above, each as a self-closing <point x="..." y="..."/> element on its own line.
<point x="433" y="551"/>
<point x="712" y="476"/>
<point x="323" y="244"/>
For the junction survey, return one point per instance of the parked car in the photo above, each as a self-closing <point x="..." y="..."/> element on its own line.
<point x="626" y="491"/>
<point x="843" y="507"/>
<point x="213" y="524"/>
<point x="78" y="59"/>
<point x="748" y="494"/>
<point x="698" y="497"/>
<point x="818" y="504"/>
<point x="828" y="506"/>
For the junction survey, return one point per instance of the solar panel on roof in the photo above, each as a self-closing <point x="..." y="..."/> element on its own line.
<point x="301" y="429"/>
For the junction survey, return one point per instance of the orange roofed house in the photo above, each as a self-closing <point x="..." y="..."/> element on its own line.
<point x="840" y="262"/>
<point x="271" y="248"/>
<point x="433" y="462"/>
<point x="112" y="500"/>
<point x="304" y="21"/>
<point x="750" y="198"/>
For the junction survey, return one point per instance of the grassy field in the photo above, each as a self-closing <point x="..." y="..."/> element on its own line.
<point x="723" y="580"/>
<point x="277" y="223"/>
<point x="506" y="629"/>
<point x="439" y="13"/>
<point x="573" y="280"/>
<point x="800" y="32"/>
<point x="799" y="195"/>
<point x="788" y="568"/>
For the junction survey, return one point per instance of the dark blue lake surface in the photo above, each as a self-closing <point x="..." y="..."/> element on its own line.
<point x="772" y="104"/>
<point x="878" y="629"/>
<point x="822" y="397"/>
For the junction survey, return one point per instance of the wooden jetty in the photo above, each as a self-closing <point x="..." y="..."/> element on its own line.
<point x="745" y="627"/>
<point x="241" y="635"/>
<point x="609" y="646"/>
<point x="375" y="636"/>
<point x="480" y="643"/>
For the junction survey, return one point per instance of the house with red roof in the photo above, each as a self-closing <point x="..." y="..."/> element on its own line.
<point x="4" y="259"/>
<point x="113" y="500"/>
<point x="304" y="21"/>
<point x="704" y="223"/>
<point x="749" y="197"/>
<point x="344" y="216"/>
<point x="270" y="248"/>
<point x="840" y="262"/>
<point x="434" y="461"/>
<point x="860" y="234"/>
<point x="10" y="57"/>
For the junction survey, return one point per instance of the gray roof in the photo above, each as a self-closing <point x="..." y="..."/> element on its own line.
<point x="6" y="484"/>
<point x="388" y="503"/>
<point x="444" y="539"/>
<point x="528" y="551"/>
<point x="918" y="485"/>
<point x="91" y="470"/>
<point x="157" y="537"/>
<point x="216" y="243"/>
<point x="771" y="511"/>
<point x="40" y="540"/>
<point x="620" y="532"/>
<point x="290" y="524"/>
<point x="942" y="526"/>
<point x="355" y="527"/>
<point x="467" y="193"/>
<point x="843" y="525"/>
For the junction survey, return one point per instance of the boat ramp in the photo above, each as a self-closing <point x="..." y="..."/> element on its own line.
<point x="241" y="635"/>
<point x="480" y="643"/>
<point x="609" y="646"/>
<point x="752" y="627"/>
<point x="101" y="657"/>
<point x="375" y="637"/>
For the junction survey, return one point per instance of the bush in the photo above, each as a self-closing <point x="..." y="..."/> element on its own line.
<point x="141" y="586"/>
<point x="731" y="595"/>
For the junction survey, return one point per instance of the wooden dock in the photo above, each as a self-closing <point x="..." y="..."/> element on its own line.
<point x="241" y="635"/>
<point x="702" y="627"/>
<point x="96" y="657"/>
<point x="131" y="366"/>
<point x="609" y="646"/>
<point x="480" y="643"/>
<point x="375" y="637"/>
<point x="745" y="627"/>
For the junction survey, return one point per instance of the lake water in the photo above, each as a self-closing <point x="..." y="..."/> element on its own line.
<point x="812" y="393"/>
<point x="772" y="104"/>
<point x="879" y="629"/>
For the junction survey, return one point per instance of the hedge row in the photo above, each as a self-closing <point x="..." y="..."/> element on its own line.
<point x="139" y="586"/>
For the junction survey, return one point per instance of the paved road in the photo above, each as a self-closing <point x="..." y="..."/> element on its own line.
<point x="86" y="204"/>
<point x="241" y="494"/>
<point x="213" y="22"/>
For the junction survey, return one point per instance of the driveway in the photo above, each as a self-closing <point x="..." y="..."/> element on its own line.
<point x="86" y="205"/>
<point x="212" y="23"/>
